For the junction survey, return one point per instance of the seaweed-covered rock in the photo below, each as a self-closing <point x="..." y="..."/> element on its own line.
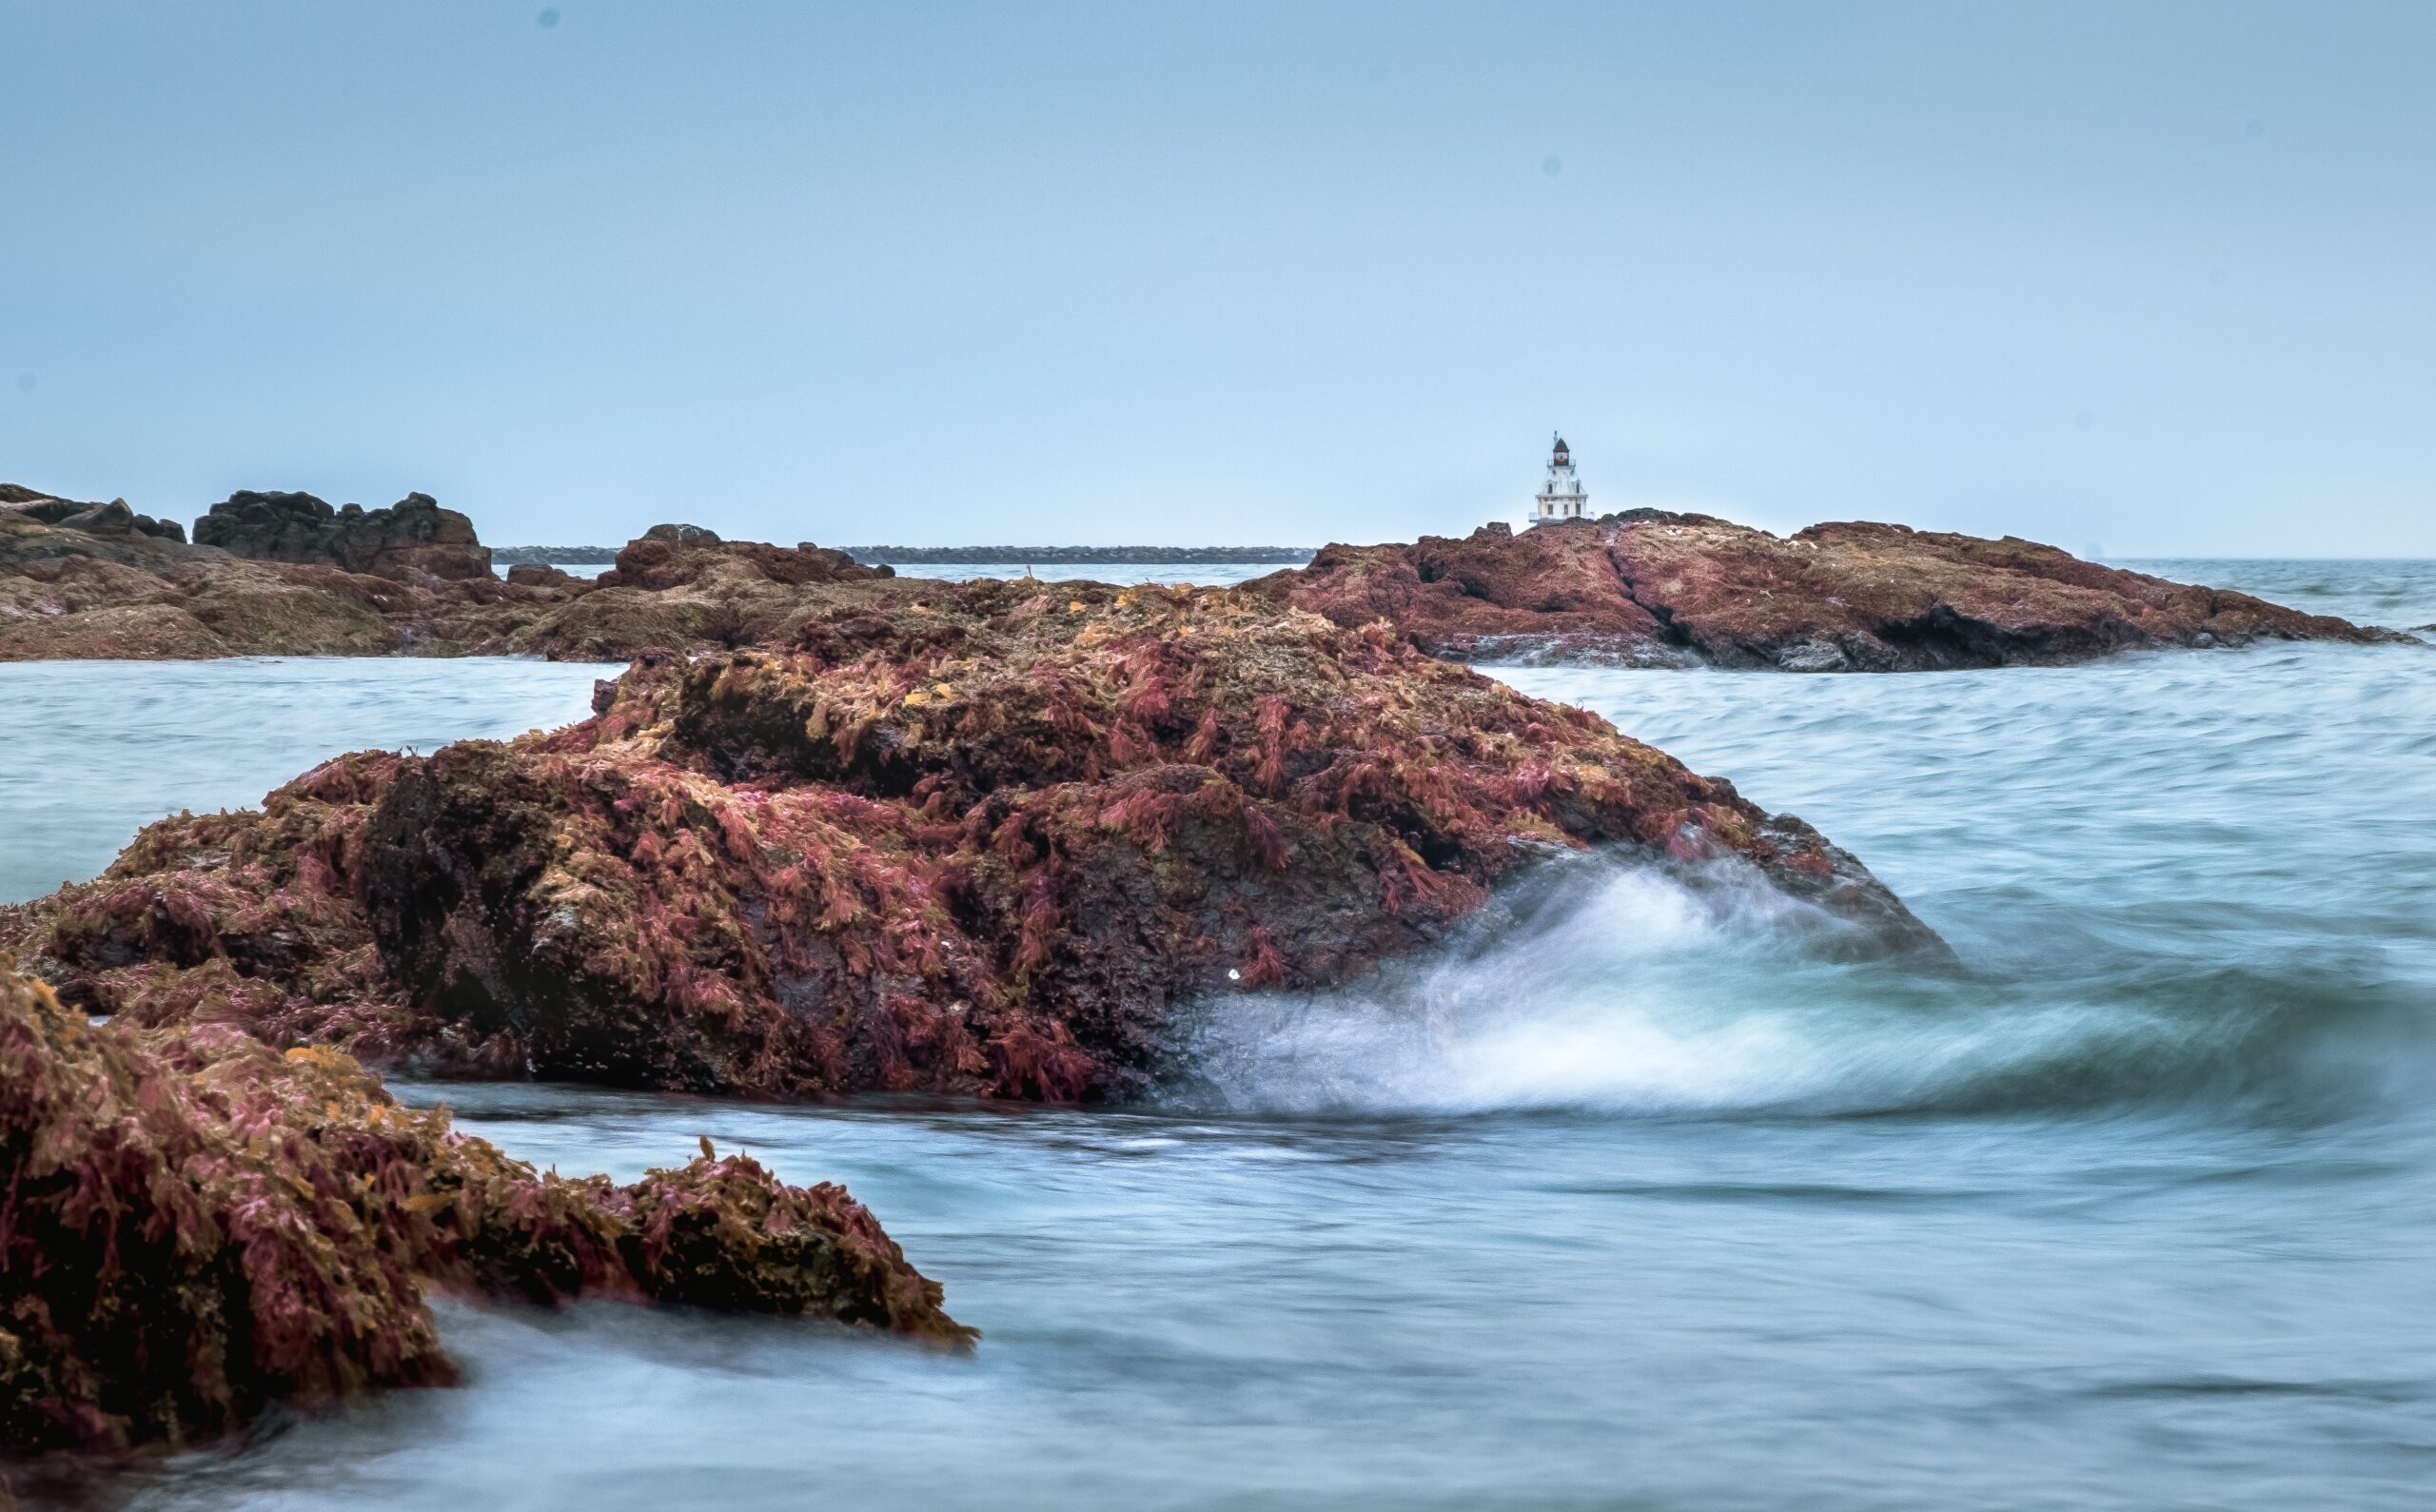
<point x="1643" y="588"/>
<point x="194" y="1228"/>
<point x="681" y="587"/>
<point x="1648" y="588"/>
<point x="974" y="839"/>
<point x="414" y="535"/>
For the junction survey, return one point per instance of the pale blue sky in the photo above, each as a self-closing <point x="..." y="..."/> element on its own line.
<point x="2159" y="277"/>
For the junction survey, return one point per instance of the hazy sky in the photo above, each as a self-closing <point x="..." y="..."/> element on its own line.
<point x="2156" y="277"/>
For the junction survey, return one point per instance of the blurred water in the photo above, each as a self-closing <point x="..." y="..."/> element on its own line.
<point x="573" y="569"/>
<point x="93" y="751"/>
<point x="1201" y="574"/>
<point x="1648" y="1200"/>
<point x="2397" y="593"/>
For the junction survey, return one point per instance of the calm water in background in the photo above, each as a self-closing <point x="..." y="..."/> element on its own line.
<point x="1209" y="574"/>
<point x="93" y="751"/>
<point x="1646" y="1202"/>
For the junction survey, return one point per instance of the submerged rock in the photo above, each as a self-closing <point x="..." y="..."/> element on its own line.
<point x="1647" y="587"/>
<point x="195" y="1227"/>
<point x="974" y="839"/>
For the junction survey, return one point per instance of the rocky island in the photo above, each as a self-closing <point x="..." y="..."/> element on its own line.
<point x="287" y="574"/>
<point x="1651" y="588"/>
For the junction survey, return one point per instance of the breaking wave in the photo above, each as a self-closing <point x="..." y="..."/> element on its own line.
<point x="1622" y="987"/>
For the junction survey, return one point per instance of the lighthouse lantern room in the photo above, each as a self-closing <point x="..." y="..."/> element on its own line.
<point x="1563" y="498"/>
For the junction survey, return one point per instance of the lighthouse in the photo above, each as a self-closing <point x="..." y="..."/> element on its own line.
<point x="1562" y="497"/>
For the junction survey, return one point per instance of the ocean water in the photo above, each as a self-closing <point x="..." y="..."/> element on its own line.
<point x="1199" y="574"/>
<point x="93" y="751"/>
<point x="2399" y="594"/>
<point x="1650" y="1199"/>
<point x="573" y="569"/>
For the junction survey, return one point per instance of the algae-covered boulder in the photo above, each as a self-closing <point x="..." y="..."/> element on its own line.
<point x="681" y="587"/>
<point x="195" y="1227"/>
<point x="977" y="838"/>
<point x="1652" y="588"/>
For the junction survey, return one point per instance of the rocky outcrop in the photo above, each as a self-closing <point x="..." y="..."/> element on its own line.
<point x="195" y="1227"/>
<point x="1652" y="588"/>
<point x="976" y="838"/>
<point x="414" y="537"/>
<point x="681" y="587"/>
<point x="69" y="592"/>
<point x="1638" y="589"/>
<point x="113" y="519"/>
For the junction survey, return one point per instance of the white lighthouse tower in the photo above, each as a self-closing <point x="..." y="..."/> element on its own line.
<point x="1563" y="498"/>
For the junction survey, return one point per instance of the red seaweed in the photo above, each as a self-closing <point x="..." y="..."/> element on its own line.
<point x="195" y="1226"/>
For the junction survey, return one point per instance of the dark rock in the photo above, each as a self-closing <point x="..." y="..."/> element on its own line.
<point x="412" y="536"/>
<point x="682" y="534"/>
<point x="113" y="519"/>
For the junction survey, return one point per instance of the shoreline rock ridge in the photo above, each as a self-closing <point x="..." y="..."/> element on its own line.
<point x="972" y="839"/>
<point x="1645" y="588"/>
<point x="1648" y="588"/>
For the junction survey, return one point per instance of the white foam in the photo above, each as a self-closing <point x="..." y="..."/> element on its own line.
<point x="1647" y="991"/>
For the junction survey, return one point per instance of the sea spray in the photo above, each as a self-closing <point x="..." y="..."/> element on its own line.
<point x="1619" y="986"/>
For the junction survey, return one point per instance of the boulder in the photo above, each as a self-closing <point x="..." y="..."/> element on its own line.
<point x="414" y="537"/>
<point x="113" y="519"/>
<point x="195" y="1227"/>
<point x="974" y="839"/>
<point x="540" y="575"/>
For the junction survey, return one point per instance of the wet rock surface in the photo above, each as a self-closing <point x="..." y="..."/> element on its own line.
<point x="976" y="838"/>
<point x="1648" y="588"/>
<point x="199" y="1227"/>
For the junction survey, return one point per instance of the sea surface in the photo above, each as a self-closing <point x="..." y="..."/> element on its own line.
<point x="1650" y="1199"/>
<point x="1201" y="574"/>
